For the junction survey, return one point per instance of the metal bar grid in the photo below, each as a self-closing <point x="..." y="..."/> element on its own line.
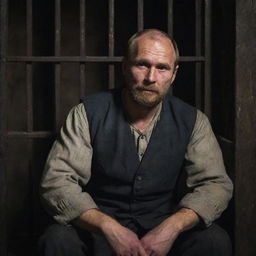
<point x="82" y="59"/>
<point x="111" y="43"/>
<point x="57" y="68"/>
<point x="140" y="15"/>
<point x="207" y="75"/>
<point x="198" y="51"/>
<point x="170" y="17"/>
<point x="82" y="46"/>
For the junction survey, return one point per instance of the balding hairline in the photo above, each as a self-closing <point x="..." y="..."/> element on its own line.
<point x="152" y="34"/>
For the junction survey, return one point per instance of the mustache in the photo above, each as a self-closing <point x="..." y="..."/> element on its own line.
<point x="147" y="88"/>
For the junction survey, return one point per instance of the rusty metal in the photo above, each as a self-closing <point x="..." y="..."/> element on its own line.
<point x="3" y="102"/>
<point x="207" y="75"/>
<point x="111" y="43"/>
<point x="57" y="73"/>
<point x="170" y="17"/>
<point x="82" y="46"/>
<point x="198" y="51"/>
<point x="140" y="16"/>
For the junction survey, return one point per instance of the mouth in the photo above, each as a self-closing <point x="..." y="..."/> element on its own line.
<point x="147" y="91"/>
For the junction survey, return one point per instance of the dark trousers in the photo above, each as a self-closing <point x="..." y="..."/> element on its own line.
<point x="61" y="240"/>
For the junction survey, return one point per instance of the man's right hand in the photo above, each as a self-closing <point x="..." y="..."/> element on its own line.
<point x="122" y="240"/>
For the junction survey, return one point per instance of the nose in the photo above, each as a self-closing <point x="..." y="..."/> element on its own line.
<point x="151" y="75"/>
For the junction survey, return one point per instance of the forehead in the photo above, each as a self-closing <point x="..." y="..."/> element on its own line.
<point x="154" y="48"/>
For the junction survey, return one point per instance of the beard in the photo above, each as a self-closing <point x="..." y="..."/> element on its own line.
<point x="146" y="96"/>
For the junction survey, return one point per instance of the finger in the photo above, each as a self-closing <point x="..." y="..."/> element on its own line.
<point x="142" y="252"/>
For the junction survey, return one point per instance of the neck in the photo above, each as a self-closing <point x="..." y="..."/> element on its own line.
<point x="139" y="116"/>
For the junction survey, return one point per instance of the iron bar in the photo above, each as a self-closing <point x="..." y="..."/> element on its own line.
<point x="170" y="17"/>
<point x="57" y="65"/>
<point x="37" y="134"/>
<point x="111" y="43"/>
<point x="82" y="46"/>
<point x="87" y="59"/>
<point x="29" y="86"/>
<point x="198" y="50"/>
<point x="207" y="81"/>
<point x="3" y="118"/>
<point x="140" y="16"/>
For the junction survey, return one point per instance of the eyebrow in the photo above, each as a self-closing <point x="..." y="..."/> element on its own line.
<point x="165" y="64"/>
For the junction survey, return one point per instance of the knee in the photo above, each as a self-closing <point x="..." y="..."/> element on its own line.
<point x="212" y="241"/>
<point x="215" y="241"/>
<point x="57" y="236"/>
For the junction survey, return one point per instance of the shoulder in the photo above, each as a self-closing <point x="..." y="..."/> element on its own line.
<point x="102" y="97"/>
<point x="180" y="105"/>
<point x="202" y="125"/>
<point x="102" y="106"/>
<point x="181" y="111"/>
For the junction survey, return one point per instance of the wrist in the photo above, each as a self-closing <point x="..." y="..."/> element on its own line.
<point x="108" y="225"/>
<point x="185" y="219"/>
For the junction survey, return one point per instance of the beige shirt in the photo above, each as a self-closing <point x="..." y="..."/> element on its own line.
<point x="68" y="169"/>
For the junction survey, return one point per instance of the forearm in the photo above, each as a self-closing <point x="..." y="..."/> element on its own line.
<point x="159" y="240"/>
<point x="184" y="219"/>
<point x="95" y="221"/>
<point x="122" y="240"/>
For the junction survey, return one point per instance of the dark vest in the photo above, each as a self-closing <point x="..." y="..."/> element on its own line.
<point x="121" y="185"/>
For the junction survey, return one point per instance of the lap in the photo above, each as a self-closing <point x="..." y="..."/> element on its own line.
<point x="212" y="241"/>
<point x="68" y="240"/>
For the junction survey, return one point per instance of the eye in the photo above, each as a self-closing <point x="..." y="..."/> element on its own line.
<point x="141" y="64"/>
<point x="163" y="67"/>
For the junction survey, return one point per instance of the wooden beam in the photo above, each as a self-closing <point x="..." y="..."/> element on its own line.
<point x="3" y="39"/>
<point x="245" y="143"/>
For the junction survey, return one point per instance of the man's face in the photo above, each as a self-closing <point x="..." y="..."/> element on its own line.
<point x="150" y="71"/>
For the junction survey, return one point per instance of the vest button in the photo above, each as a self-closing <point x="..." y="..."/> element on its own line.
<point x="139" y="178"/>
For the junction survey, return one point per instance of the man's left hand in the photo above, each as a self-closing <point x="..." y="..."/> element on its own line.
<point x="159" y="241"/>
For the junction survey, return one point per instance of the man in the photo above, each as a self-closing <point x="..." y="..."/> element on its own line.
<point x="111" y="175"/>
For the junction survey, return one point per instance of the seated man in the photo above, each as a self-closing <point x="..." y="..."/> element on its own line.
<point x="110" y="178"/>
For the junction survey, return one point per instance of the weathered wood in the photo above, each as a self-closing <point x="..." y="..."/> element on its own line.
<point x="245" y="145"/>
<point x="3" y="27"/>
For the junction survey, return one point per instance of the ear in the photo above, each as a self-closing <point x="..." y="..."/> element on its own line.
<point x="174" y="73"/>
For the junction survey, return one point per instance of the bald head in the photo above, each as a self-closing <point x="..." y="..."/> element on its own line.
<point x="151" y="34"/>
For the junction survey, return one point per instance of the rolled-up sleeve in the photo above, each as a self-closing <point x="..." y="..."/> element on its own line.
<point x="210" y="187"/>
<point x="68" y="169"/>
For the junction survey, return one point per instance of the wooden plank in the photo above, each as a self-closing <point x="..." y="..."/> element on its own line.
<point x="245" y="121"/>
<point x="3" y="33"/>
<point x="170" y="17"/>
<point x="198" y="50"/>
<point x="111" y="42"/>
<point x="140" y="15"/>
<point x="57" y="69"/>
<point x="82" y="46"/>
<point x="207" y="75"/>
